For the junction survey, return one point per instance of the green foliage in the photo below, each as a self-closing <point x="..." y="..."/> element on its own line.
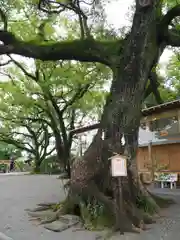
<point x="6" y="150"/>
<point x="171" y="3"/>
<point x="146" y="205"/>
<point x="94" y="216"/>
<point x="50" y="166"/>
<point x="174" y="74"/>
<point x="3" y="167"/>
<point x="168" y="87"/>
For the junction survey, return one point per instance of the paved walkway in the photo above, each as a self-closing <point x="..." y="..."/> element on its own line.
<point x="20" y="192"/>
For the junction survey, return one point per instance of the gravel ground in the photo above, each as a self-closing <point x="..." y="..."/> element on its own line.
<point x="21" y="192"/>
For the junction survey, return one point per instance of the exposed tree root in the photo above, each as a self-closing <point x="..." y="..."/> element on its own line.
<point x="147" y="218"/>
<point x="97" y="215"/>
<point x="52" y="214"/>
<point x="63" y="176"/>
<point x="97" y="220"/>
<point x="45" y="217"/>
<point x="39" y="209"/>
<point x="48" y="204"/>
<point x="55" y="216"/>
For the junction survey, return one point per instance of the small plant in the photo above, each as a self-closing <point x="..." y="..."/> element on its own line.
<point x="144" y="204"/>
<point x="94" y="215"/>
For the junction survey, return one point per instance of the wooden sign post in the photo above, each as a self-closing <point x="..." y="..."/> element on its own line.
<point x="119" y="170"/>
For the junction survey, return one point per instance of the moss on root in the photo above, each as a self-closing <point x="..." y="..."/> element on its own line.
<point x="95" y="216"/>
<point x="92" y="214"/>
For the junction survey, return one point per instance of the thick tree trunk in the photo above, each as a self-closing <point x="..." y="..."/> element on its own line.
<point x="63" y="153"/>
<point x="59" y="148"/>
<point x="37" y="165"/>
<point x="121" y="117"/>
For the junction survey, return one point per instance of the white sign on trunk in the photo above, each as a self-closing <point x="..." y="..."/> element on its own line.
<point x="119" y="166"/>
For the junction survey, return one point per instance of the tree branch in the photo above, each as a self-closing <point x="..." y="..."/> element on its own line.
<point x="148" y="91"/>
<point x="41" y="120"/>
<point x="155" y="84"/>
<point x="72" y="126"/>
<point x="170" y="15"/>
<point x="43" y="151"/>
<point x="22" y="68"/>
<point x="5" y="63"/>
<point x="153" y="88"/>
<point x="51" y="151"/>
<point x="22" y="134"/>
<point x="4" y="19"/>
<point x="77" y="96"/>
<point x="170" y="36"/>
<point x="85" y="50"/>
<point x="173" y="38"/>
<point x="16" y="143"/>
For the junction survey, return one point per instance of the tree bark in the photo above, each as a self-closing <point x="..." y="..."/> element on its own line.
<point x="121" y="117"/>
<point x="63" y="153"/>
<point x="37" y="165"/>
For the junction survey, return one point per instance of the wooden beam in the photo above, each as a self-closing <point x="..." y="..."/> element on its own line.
<point x="166" y="114"/>
<point x="85" y="129"/>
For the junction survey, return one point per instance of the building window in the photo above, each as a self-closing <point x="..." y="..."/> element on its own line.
<point x="170" y="123"/>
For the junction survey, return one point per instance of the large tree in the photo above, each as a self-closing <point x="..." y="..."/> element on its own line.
<point x="132" y="60"/>
<point x="62" y="96"/>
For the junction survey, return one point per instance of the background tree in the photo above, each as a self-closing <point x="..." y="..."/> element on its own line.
<point x="173" y="72"/>
<point x="7" y="150"/>
<point x="62" y="96"/>
<point x="166" y="90"/>
<point x="27" y="136"/>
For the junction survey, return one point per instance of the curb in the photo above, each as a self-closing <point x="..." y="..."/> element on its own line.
<point x="4" y="237"/>
<point x="14" y="174"/>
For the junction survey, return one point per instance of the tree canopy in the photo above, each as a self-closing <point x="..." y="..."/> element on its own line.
<point x="46" y="16"/>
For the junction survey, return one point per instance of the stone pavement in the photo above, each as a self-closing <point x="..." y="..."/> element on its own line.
<point x="22" y="192"/>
